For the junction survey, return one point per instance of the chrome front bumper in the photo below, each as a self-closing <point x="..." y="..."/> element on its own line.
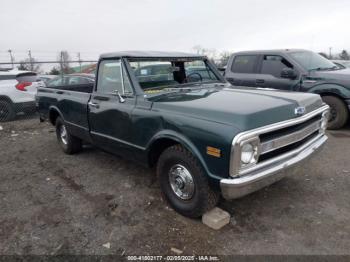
<point x="269" y="172"/>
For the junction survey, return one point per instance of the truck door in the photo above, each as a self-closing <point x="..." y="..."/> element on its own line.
<point x="243" y="70"/>
<point x="270" y="69"/>
<point x="110" y="108"/>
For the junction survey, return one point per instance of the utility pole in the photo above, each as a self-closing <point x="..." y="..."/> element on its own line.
<point x="30" y="60"/>
<point x="12" y="58"/>
<point x="330" y="53"/>
<point x="61" y="63"/>
<point x="79" y="61"/>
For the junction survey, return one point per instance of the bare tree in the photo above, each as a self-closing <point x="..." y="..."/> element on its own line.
<point x="29" y="65"/>
<point x="64" y="59"/>
<point x="223" y="58"/>
<point x="23" y="66"/>
<point x="209" y="52"/>
<point x="54" y="71"/>
<point x="344" y="55"/>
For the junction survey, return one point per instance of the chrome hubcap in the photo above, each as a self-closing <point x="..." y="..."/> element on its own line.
<point x="181" y="182"/>
<point x="63" y="134"/>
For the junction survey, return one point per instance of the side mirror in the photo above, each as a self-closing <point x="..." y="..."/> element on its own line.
<point x="288" y="73"/>
<point x="222" y="70"/>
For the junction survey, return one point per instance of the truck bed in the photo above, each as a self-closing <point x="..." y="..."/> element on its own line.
<point x="72" y="101"/>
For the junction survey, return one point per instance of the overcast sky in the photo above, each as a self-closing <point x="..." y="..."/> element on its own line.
<point x="94" y="27"/>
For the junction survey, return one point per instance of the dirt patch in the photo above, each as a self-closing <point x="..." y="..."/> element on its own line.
<point x="52" y="203"/>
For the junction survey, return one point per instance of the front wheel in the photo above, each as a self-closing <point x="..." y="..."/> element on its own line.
<point x="70" y="144"/>
<point x="339" y="112"/>
<point x="184" y="183"/>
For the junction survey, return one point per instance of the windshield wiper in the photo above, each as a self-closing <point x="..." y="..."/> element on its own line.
<point x="324" y="68"/>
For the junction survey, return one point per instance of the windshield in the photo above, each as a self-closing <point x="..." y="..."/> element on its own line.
<point x="312" y="61"/>
<point x="160" y="74"/>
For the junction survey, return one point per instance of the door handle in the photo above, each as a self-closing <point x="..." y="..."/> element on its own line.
<point x="260" y="81"/>
<point x="60" y="92"/>
<point x="91" y="104"/>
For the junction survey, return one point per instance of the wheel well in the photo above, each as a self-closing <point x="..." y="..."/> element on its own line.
<point x="333" y="94"/>
<point x="157" y="148"/>
<point x="5" y="98"/>
<point x="53" y="116"/>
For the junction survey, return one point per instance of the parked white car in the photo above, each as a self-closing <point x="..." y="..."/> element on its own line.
<point x="17" y="93"/>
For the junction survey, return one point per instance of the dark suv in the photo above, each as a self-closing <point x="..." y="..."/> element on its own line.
<point x="294" y="70"/>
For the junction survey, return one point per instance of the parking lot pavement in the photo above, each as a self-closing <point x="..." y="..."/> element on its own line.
<point x="96" y="203"/>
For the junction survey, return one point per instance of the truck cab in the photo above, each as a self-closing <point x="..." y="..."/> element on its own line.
<point x="294" y="70"/>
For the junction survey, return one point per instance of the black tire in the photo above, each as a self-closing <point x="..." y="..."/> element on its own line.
<point x="7" y="111"/>
<point x="339" y="112"/>
<point x="203" y="197"/>
<point x="70" y="144"/>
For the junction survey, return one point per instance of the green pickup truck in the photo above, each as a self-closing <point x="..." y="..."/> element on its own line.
<point x="204" y="137"/>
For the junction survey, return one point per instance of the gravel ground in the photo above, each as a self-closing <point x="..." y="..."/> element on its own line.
<point x="52" y="203"/>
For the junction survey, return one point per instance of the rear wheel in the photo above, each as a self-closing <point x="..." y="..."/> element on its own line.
<point x="7" y="111"/>
<point x="184" y="183"/>
<point x="70" y="144"/>
<point x="339" y="112"/>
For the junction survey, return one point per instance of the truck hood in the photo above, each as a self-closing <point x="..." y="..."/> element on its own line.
<point x="243" y="108"/>
<point x="341" y="76"/>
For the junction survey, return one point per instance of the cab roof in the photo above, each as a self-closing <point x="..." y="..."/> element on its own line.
<point x="150" y="54"/>
<point x="272" y="51"/>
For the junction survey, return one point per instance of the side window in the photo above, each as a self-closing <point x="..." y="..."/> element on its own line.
<point x="73" y="80"/>
<point x="55" y="82"/>
<point x="244" y="64"/>
<point x="273" y="65"/>
<point x="110" y="77"/>
<point x="83" y="81"/>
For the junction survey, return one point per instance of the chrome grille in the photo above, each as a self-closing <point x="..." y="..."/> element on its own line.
<point x="290" y="138"/>
<point x="278" y="140"/>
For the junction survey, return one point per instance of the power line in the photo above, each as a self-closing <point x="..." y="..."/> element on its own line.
<point x="48" y="62"/>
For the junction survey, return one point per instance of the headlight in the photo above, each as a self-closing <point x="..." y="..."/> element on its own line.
<point x="250" y="152"/>
<point x="247" y="153"/>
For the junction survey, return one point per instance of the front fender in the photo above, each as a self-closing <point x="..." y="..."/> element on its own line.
<point x="187" y="143"/>
<point x="338" y="90"/>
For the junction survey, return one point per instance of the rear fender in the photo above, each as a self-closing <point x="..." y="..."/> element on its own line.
<point x="54" y="110"/>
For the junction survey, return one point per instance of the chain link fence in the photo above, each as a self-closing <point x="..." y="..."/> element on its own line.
<point x="11" y="111"/>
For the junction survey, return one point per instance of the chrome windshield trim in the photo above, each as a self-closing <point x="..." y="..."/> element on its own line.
<point x="273" y="144"/>
<point x="235" y="148"/>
